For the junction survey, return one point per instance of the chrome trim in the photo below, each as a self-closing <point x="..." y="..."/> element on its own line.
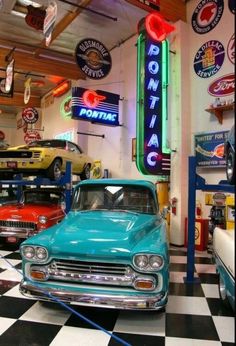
<point x="126" y="302"/>
<point x="21" y="233"/>
<point x="30" y="160"/>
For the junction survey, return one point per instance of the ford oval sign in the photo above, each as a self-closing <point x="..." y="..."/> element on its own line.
<point x="222" y="86"/>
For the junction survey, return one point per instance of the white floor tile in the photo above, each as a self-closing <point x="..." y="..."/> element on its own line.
<point x="188" y="305"/>
<point x="225" y="328"/>
<point x="178" y="259"/>
<point x="202" y="254"/>
<point x="205" y="268"/>
<point x="9" y="263"/>
<point x="80" y="337"/>
<point x="146" y="323"/>
<point x="210" y="290"/>
<point x="190" y="342"/>
<point x="179" y="276"/>
<point x="41" y="312"/>
<point x="4" y="253"/>
<point x="11" y="275"/>
<point x="5" y="323"/>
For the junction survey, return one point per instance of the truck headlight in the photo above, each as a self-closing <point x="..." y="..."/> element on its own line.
<point x="43" y="219"/>
<point x="147" y="262"/>
<point x="36" y="253"/>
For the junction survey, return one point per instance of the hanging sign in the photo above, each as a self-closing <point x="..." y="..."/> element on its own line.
<point x="31" y="136"/>
<point x="30" y="115"/>
<point x="231" y="49"/>
<point x="3" y="91"/>
<point x="209" y="59"/>
<point x="27" y="90"/>
<point x="93" y="58"/>
<point x="209" y="149"/>
<point x="207" y="15"/>
<point x="147" y="5"/>
<point x="9" y="75"/>
<point x="222" y="86"/>
<point x="97" y="106"/>
<point x="65" y="108"/>
<point x="49" y="21"/>
<point x="35" y="17"/>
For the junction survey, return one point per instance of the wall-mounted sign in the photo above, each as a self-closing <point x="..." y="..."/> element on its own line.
<point x="27" y="90"/>
<point x="209" y="149"/>
<point x="152" y="154"/>
<point x="93" y="58"/>
<point x="30" y="115"/>
<point x="231" y="4"/>
<point x="35" y="17"/>
<point x="207" y="15"/>
<point x="2" y="135"/>
<point x="32" y="135"/>
<point x="65" y="108"/>
<point x="3" y="91"/>
<point x="97" y="106"/>
<point x="231" y="49"/>
<point x="209" y="59"/>
<point x="223" y="86"/>
<point x="49" y="21"/>
<point x="9" y="75"/>
<point x="147" y="5"/>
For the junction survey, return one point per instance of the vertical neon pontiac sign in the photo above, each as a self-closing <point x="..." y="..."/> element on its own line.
<point x="152" y="154"/>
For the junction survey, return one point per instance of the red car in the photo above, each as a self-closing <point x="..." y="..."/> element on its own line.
<point x="38" y="209"/>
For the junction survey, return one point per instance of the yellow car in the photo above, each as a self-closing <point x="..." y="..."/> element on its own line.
<point x="47" y="157"/>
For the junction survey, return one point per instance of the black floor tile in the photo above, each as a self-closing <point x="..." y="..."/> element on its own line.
<point x="218" y="308"/>
<point x="13" y="255"/>
<point x="178" y="267"/>
<point x="14" y="307"/>
<point x="227" y="344"/>
<point x="138" y="340"/>
<point x="177" y="253"/>
<point x="208" y="278"/>
<point x="204" y="260"/>
<point x="191" y="326"/>
<point x="6" y="285"/>
<point x="23" y="333"/>
<point x="106" y="318"/>
<point x="182" y="289"/>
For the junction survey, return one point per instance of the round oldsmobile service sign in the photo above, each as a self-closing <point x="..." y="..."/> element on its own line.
<point x="93" y="58"/>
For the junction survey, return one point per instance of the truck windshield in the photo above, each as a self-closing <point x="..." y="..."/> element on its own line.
<point x="112" y="197"/>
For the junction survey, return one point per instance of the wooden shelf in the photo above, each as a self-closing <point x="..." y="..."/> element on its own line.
<point x="218" y="111"/>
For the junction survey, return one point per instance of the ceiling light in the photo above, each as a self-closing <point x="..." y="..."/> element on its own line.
<point x="19" y="14"/>
<point x="28" y="3"/>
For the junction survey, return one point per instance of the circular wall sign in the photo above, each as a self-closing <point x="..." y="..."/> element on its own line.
<point x="30" y="115"/>
<point x="207" y="15"/>
<point x="231" y="49"/>
<point x="31" y="136"/>
<point x="209" y="59"/>
<point x="2" y="135"/>
<point x="93" y="58"/>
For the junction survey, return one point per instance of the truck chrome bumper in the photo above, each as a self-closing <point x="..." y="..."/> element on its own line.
<point x="132" y="302"/>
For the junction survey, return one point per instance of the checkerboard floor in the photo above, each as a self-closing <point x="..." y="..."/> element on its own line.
<point x="194" y="315"/>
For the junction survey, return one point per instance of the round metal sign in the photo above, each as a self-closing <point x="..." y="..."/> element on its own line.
<point x="30" y="115"/>
<point x="93" y="58"/>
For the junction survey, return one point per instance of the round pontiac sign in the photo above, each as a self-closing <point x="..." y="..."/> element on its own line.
<point x="93" y="58"/>
<point x="209" y="59"/>
<point x="30" y="115"/>
<point x="207" y="15"/>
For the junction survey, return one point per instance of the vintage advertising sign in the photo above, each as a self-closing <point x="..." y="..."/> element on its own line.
<point x="93" y="58"/>
<point x="231" y="49"/>
<point x="231" y="4"/>
<point x="49" y="21"/>
<point x="3" y="91"/>
<point x="31" y="135"/>
<point x="209" y="59"/>
<point x="27" y="91"/>
<point x="97" y="106"/>
<point x="209" y="149"/>
<point x="147" y="5"/>
<point x="222" y="86"/>
<point x="30" y="115"/>
<point x="2" y="135"/>
<point x="9" y="75"/>
<point x="65" y="108"/>
<point x="207" y="15"/>
<point x="152" y="154"/>
<point x="35" y="17"/>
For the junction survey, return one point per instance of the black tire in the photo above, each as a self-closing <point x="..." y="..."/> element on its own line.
<point x="54" y="170"/>
<point x="230" y="166"/>
<point x="222" y="292"/>
<point x="86" y="173"/>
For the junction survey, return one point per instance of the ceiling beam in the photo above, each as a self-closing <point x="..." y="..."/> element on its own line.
<point x="63" y="24"/>
<point x="173" y="10"/>
<point x="45" y="65"/>
<point x="18" y="101"/>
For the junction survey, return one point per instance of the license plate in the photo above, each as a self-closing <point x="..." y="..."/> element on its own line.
<point x="12" y="164"/>
<point x="11" y="239"/>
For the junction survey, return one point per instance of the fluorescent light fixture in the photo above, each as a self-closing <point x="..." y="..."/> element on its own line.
<point x="28" y="2"/>
<point x="19" y="14"/>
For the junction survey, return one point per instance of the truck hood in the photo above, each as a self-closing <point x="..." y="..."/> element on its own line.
<point x="98" y="233"/>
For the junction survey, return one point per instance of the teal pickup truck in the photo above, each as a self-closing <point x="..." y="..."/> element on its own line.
<point x="111" y="250"/>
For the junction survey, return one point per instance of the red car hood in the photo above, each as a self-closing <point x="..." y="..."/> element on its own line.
<point x="28" y="212"/>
